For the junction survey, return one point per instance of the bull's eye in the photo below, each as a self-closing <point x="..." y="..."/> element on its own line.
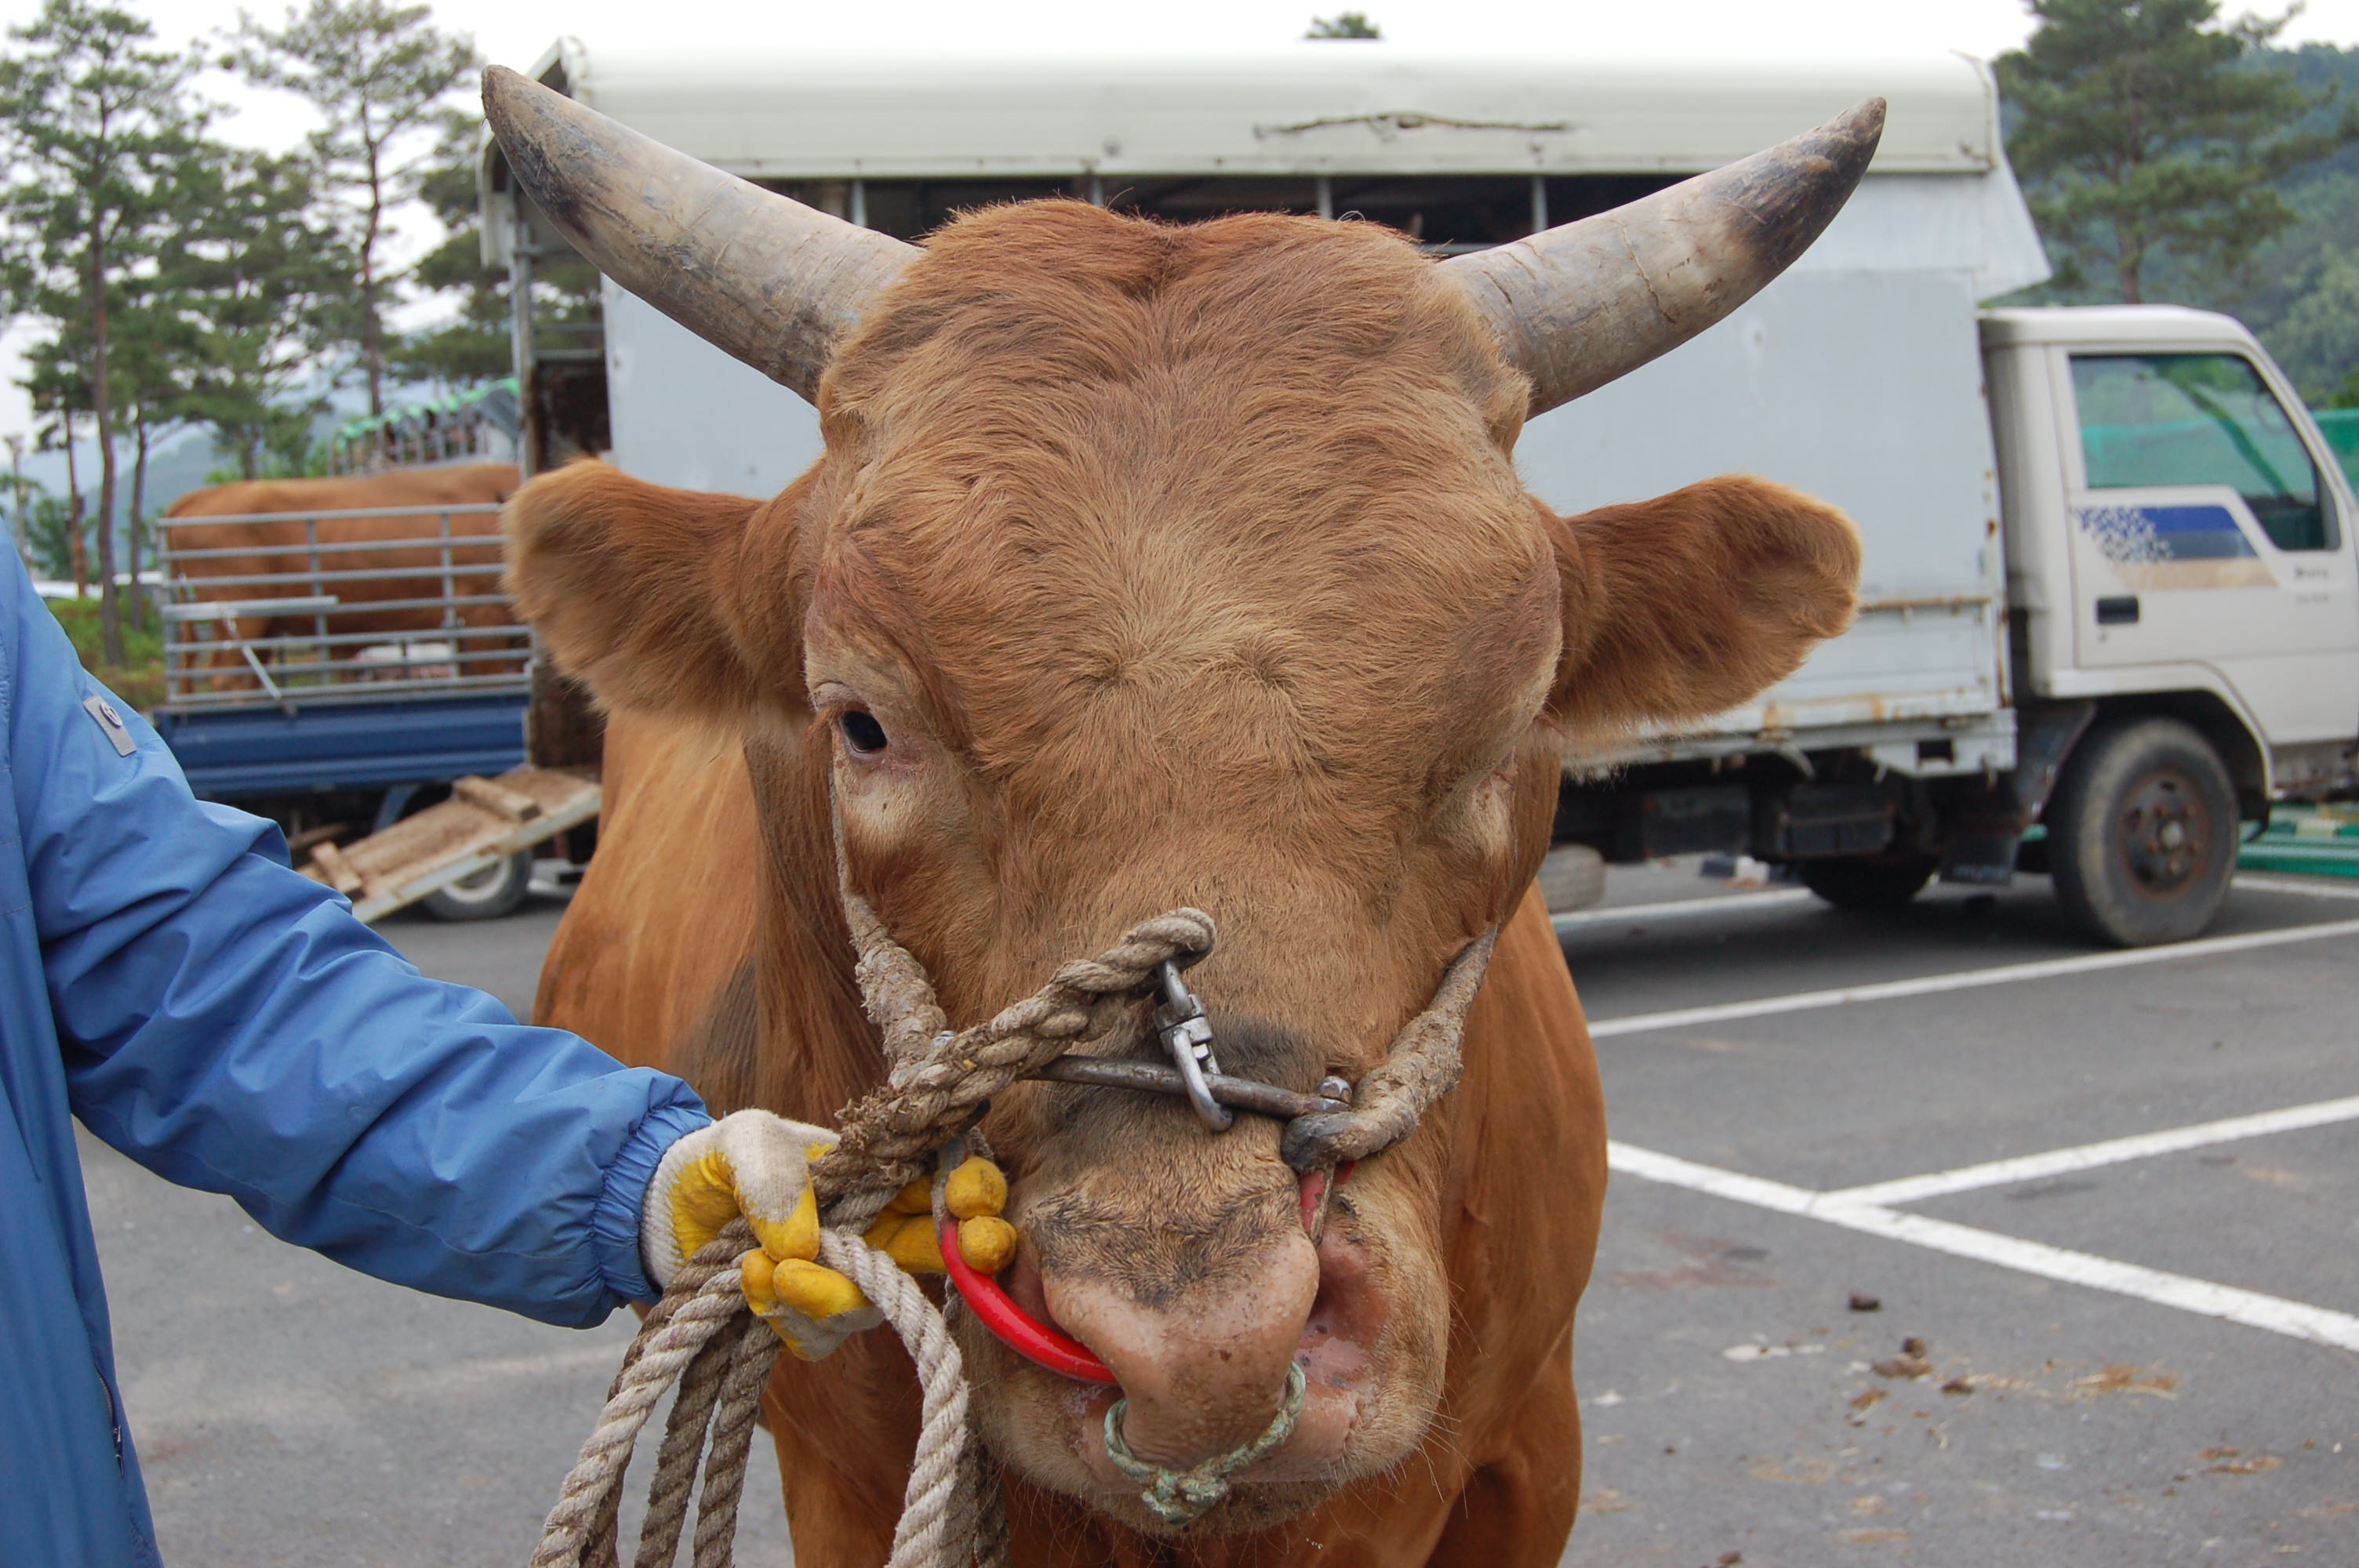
<point x="863" y="736"/>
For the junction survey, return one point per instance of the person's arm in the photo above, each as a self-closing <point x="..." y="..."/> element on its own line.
<point x="228" y="1023"/>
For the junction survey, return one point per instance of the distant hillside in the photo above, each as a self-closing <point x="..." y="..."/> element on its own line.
<point x="2300" y="295"/>
<point x="178" y="464"/>
<point x="175" y="466"/>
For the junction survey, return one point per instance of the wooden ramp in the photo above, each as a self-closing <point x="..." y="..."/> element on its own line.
<point x="482" y="823"/>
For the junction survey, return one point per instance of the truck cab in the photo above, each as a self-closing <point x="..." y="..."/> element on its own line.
<point x="2182" y="598"/>
<point x="2169" y="545"/>
<point x="2177" y="527"/>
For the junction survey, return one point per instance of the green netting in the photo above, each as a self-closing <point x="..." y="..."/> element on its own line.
<point x="361" y="427"/>
<point x="2248" y="458"/>
<point x="2186" y="419"/>
<point x="2341" y="428"/>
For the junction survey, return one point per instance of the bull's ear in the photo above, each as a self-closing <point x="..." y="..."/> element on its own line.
<point x="1685" y="606"/>
<point x="630" y="586"/>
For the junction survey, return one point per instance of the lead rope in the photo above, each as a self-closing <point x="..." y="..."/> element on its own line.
<point x="703" y="1335"/>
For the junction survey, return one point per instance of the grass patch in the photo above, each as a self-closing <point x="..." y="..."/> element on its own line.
<point x="139" y="679"/>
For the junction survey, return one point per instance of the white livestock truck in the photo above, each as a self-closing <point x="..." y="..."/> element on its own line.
<point x="2110" y="602"/>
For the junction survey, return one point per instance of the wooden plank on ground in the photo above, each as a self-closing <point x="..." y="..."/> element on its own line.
<point x="335" y="870"/>
<point x="454" y="840"/>
<point x="514" y="804"/>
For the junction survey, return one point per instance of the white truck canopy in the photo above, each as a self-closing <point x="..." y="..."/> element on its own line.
<point x="1857" y="376"/>
<point x="1940" y="195"/>
<point x="1301" y="108"/>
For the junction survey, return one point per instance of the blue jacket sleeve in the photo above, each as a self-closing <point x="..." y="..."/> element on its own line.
<point x="229" y="1024"/>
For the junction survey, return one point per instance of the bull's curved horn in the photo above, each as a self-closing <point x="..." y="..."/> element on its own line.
<point x="763" y="278"/>
<point x="1588" y="301"/>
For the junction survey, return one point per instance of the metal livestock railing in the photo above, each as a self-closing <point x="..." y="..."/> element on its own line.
<point x="417" y="619"/>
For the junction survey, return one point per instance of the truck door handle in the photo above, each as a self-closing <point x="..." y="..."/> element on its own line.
<point x="2120" y="611"/>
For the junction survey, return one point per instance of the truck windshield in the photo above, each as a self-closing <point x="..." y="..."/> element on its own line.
<point x="2158" y="420"/>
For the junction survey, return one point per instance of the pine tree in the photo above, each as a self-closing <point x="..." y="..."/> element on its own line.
<point x="58" y="390"/>
<point x="258" y="284"/>
<point x="147" y="363"/>
<point x="475" y="347"/>
<point x="380" y="74"/>
<point x="51" y="529"/>
<point x="2142" y="133"/>
<point x="19" y="489"/>
<point x="92" y="116"/>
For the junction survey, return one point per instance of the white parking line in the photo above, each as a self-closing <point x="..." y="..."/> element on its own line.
<point x="2295" y="1319"/>
<point x="1742" y="903"/>
<point x="1678" y="908"/>
<point x="2086" y="1156"/>
<point x="1965" y="980"/>
<point x="2323" y="887"/>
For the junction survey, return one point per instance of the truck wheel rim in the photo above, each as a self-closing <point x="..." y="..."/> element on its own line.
<point x="2164" y="833"/>
<point x="480" y="887"/>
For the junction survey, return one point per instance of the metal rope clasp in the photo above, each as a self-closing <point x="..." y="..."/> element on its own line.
<point x="1187" y="1034"/>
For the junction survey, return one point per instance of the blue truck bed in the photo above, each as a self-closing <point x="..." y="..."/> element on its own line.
<point x="244" y="753"/>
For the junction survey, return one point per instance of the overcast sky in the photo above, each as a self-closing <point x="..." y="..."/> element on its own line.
<point x="515" y="32"/>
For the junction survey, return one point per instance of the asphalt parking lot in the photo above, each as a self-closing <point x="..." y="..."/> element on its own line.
<point x="1772" y="1069"/>
<point x="2070" y="1398"/>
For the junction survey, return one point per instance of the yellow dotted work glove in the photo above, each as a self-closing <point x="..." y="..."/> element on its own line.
<point x="758" y="1164"/>
<point x="974" y="1194"/>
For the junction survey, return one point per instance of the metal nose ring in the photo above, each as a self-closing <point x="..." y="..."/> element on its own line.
<point x="1187" y="1034"/>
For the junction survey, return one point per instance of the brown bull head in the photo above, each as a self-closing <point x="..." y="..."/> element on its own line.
<point x="1149" y="566"/>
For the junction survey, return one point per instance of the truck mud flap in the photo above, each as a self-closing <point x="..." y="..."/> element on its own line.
<point x="1985" y="834"/>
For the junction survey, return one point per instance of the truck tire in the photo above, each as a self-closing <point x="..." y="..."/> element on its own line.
<point x="1573" y="877"/>
<point x="495" y="891"/>
<point x="2142" y="833"/>
<point x="1868" y="882"/>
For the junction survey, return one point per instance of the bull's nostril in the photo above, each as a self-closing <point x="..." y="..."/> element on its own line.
<point x="1203" y="1373"/>
<point x="1180" y="1498"/>
<point x="1022" y="1282"/>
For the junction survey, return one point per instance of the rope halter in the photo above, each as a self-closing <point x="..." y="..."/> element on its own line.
<point x="939" y="1081"/>
<point x="1326" y="1133"/>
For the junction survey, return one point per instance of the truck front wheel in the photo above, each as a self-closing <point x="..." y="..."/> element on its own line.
<point x="495" y="891"/>
<point x="2142" y="833"/>
<point x="1868" y="882"/>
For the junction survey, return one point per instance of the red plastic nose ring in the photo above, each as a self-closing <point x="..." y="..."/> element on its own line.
<point x="1022" y="1333"/>
<point x="1035" y="1340"/>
